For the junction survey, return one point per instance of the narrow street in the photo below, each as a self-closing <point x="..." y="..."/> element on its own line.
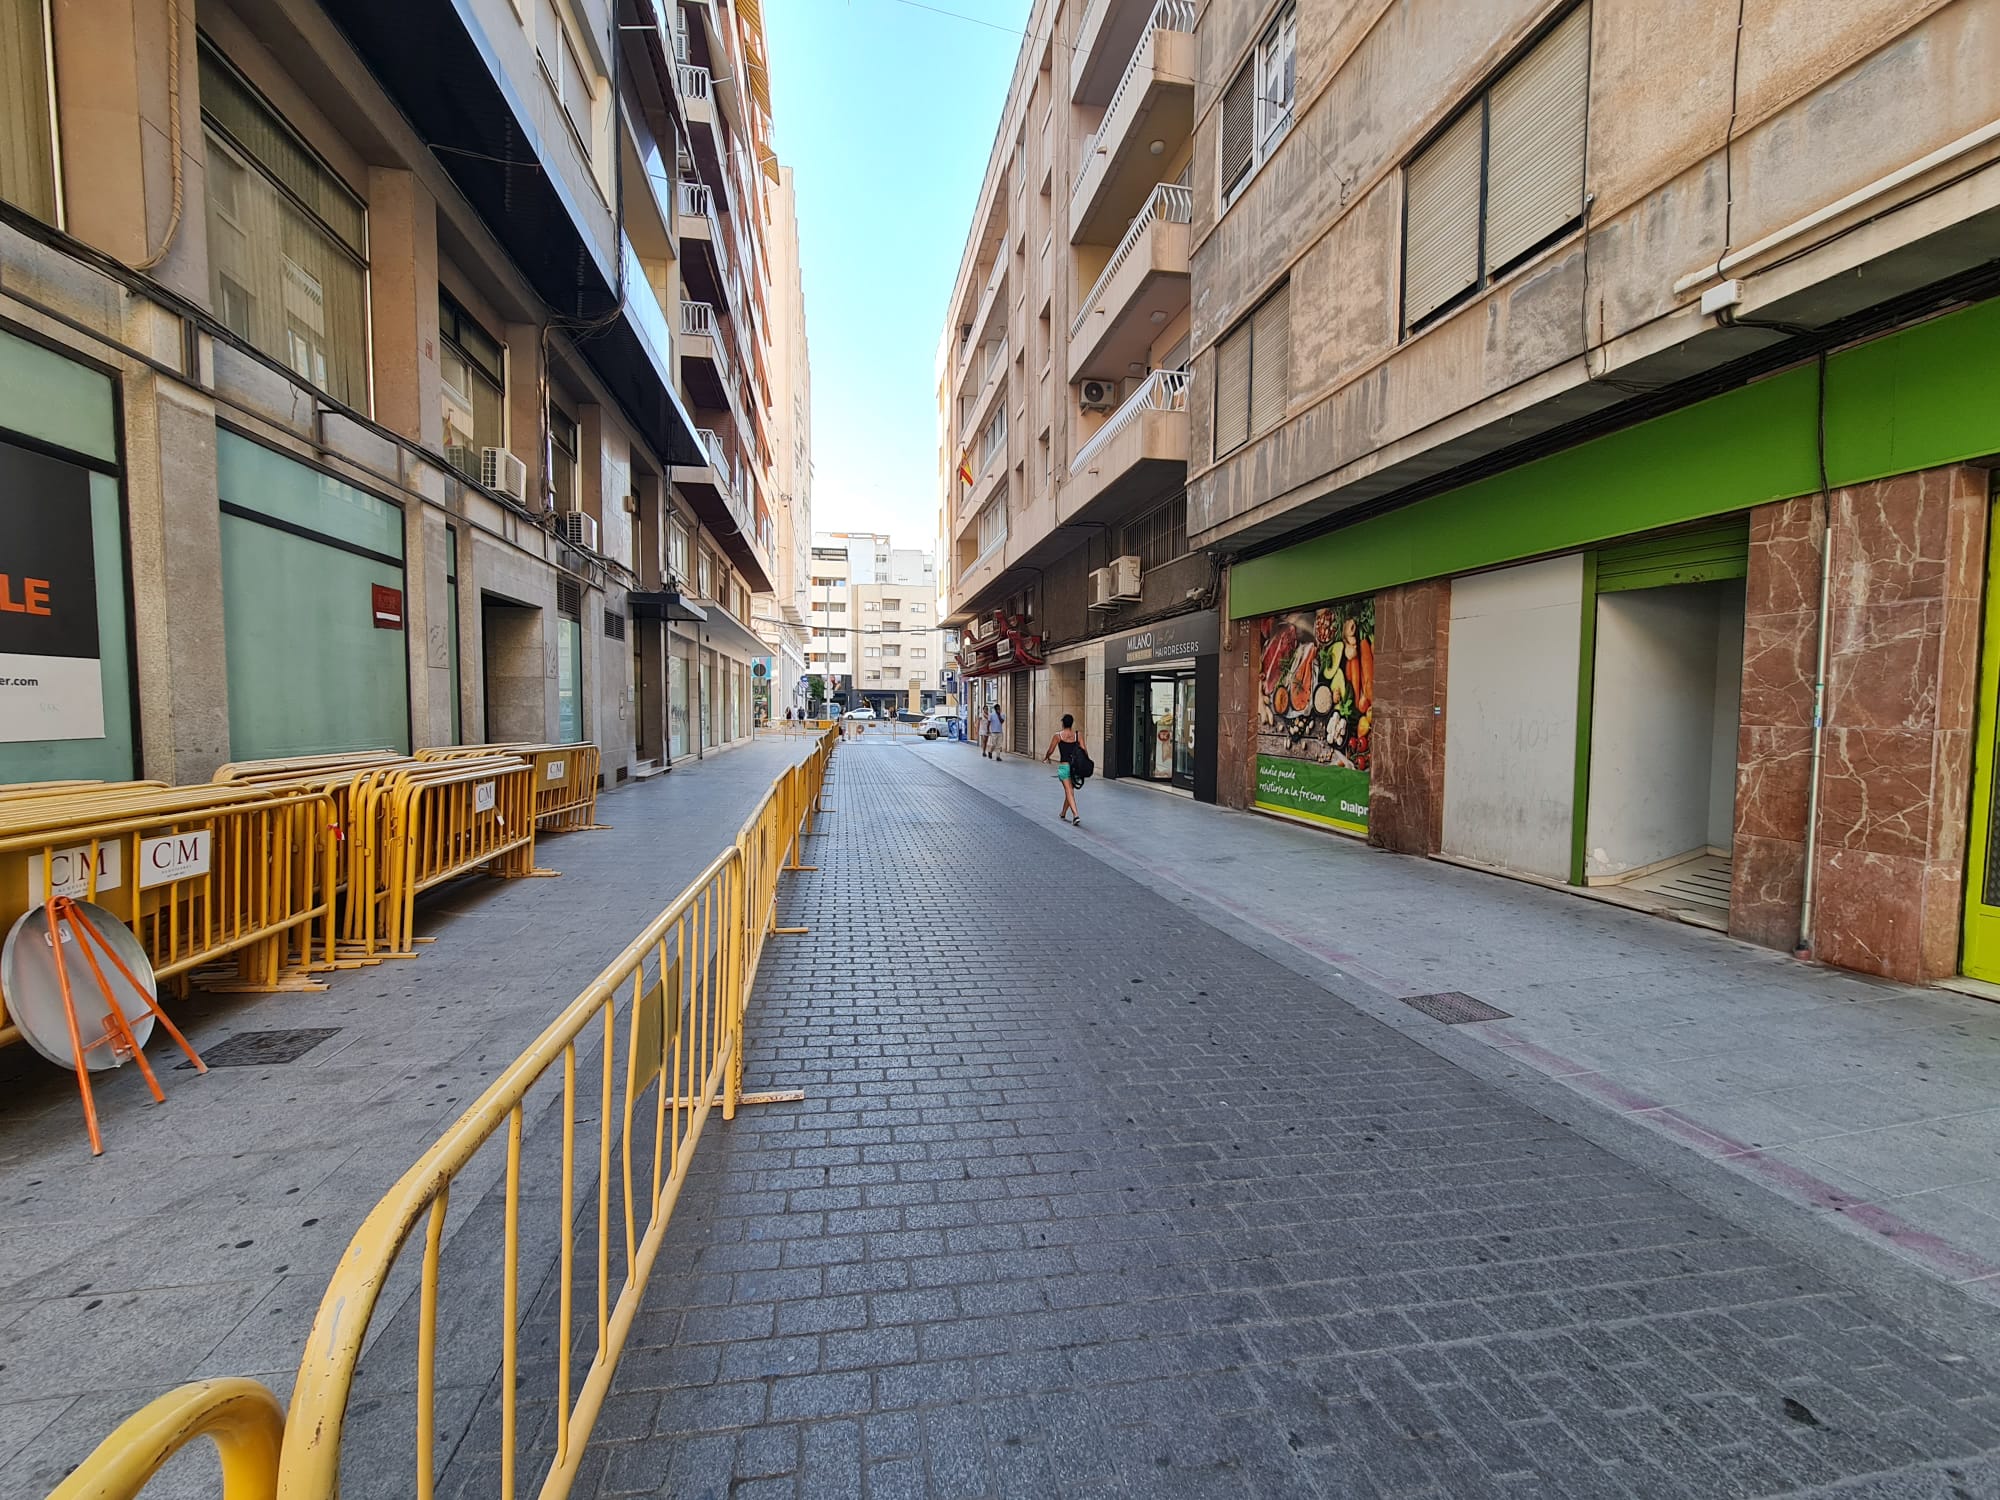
<point x="1088" y="1196"/>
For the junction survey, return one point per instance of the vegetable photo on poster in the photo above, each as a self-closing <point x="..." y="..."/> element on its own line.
<point x="1315" y="701"/>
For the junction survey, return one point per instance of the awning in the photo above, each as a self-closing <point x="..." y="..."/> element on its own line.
<point x="664" y="604"/>
<point x="724" y="631"/>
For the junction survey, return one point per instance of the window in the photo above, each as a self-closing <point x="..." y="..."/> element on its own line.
<point x="992" y="439"/>
<point x="1253" y="372"/>
<point x="287" y="242"/>
<point x="474" y="371"/>
<point x="992" y="527"/>
<point x="892" y="604"/>
<point x="871" y="650"/>
<point x="917" y="608"/>
<point x="27" y="125"/>
<point x="1501" y="180"/>
<point x="677" y="552"/>
<point x="892" y="650"/>
<point x="1257" y="105"/>
<point x="704" y="575"/>
<point x="918" y="653"/>
<point x="563" y="68"/>
<point x="1158" y="537"/>
<point x="870" y="605"/>
<point x="562" y="458"/>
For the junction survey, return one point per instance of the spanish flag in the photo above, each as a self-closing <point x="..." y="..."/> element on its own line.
<point x="965" y="471"/>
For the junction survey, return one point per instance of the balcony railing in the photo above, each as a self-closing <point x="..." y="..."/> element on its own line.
<point x="696" y="199"/>
<point x="1168" y="15"/>
<point x="1164" y="390"/>
<point x="1170" y="203"/>
<point x="694" y="80"/>
<point x="698" y="319"/>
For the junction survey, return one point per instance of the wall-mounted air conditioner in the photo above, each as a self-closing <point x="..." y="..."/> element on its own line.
<point x="502" y="471"/>
<point x="1125" y="578"/>
<point x="578" y="528"/>
<point x="1100" y="589"/>
<point x="1098" y="395"/>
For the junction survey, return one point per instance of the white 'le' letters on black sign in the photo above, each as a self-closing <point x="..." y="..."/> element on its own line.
<point x="51" y="675"/>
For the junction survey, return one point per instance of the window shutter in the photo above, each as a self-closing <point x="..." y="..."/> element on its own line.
<point x="1270" y="359"/>
<point x="1239" y="109"/>
<point x="1232" y="391"/>
<point x="1534" y="171"/>
<point x="1441" y="232"/>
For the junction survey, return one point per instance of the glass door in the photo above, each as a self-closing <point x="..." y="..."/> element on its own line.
<point x="1160" y="696"/>
<point x="1184" y="731"/>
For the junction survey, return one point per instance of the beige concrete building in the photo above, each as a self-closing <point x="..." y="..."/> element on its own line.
<point x="1594" y="401"/>
<point x="1063" y="400"/>
<point x="876" y="634"/>
<point x="339" y="388"/>
<point x="782" y="615"/>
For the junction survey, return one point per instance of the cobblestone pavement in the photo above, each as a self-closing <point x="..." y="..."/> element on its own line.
<point x="1088" y="1198"/>
<point x="201" y="1242"/>
<point x="1875" y="1105"/>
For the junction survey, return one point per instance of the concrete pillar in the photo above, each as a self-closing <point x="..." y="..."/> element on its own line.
<point x="176" y="543"/>
<point x="117" y="161"/>
<point x="403" y="305"/>
<point x="1235" y="713"/>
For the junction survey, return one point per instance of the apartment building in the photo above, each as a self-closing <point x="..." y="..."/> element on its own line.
<point x="1063" y="401"/>
<point x="1594" y="401"/>
<point x="782" y="616"/>
<point x="877" y="638"/>
<point x="340" y="403"/>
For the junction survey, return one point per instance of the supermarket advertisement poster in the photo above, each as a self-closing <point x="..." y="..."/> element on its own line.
<point x="1315" y="693"/>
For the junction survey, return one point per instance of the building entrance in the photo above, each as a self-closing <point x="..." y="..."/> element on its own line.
<point x="1159" y="715"/>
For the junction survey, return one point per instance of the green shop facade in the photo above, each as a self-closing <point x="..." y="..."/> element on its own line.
<point x="1602" y="669"/>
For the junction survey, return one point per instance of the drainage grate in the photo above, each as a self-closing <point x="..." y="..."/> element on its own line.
<point x="262" y="1049"/>
<point x="1455" y="1009"/>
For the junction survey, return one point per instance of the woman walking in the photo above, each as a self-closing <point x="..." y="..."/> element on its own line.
<point x="1075" y="768"/>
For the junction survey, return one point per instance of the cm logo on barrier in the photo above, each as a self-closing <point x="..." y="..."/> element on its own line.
<point x="173" y="857"/>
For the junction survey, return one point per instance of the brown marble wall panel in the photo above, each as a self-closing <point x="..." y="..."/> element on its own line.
<point x="1766" y="883"/>
<point x="1406" y="741"/>
<point x="1869" y="912"/>
<point x="1235" y="743"/>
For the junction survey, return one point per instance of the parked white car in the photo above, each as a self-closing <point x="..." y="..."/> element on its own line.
<point x="859" y="713"/>
<point x="937" y="725"/>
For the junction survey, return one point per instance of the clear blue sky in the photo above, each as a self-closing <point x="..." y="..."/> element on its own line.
<point x="886" y="112"/>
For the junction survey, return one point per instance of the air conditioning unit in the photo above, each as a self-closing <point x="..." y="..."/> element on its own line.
<point x="502" y="471"/>
<point x="1099" y="395"/>
<point x="462" y="458"/>
<point x="579" y="529"/>
<point x="1124" y="578"/>
<point x="1100" y="589"/>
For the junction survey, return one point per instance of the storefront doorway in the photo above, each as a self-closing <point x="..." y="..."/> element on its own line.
<point x="1980" y="954"/>
<point x="1159" y="717"/>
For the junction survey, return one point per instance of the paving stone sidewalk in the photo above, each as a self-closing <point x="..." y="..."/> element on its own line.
<point x="1089" y="1198"/>
<point x="1876" y="1105"/>
<point x="201" y="1242"/>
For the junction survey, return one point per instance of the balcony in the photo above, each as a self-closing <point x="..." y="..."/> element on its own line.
<point x="697" y="95"/>
<point x="1105" y="41"/>
<point x="1154" y="101"/>
<point x="720" y="492"/>
<point x="1140" y="452"/>
<point x="704" y="357"/>
<point x="1142" y="286"/>
<point x="988" y="300"/>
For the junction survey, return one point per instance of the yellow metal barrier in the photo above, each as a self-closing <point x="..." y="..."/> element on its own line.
<point x="200" y="874"/>
<point x="242" y="1418"/>
<point x="566" y="779"/>
<point x="668" y="1014"/>
<point x="415" y="824"/>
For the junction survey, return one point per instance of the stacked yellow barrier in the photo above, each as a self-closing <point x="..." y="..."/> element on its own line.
<point x="566" y="779"/>
<point x="667" y="1016"/>
<point x="200" y="874"/>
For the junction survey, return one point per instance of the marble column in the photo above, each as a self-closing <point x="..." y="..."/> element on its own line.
<point x="1406" y="776"/>
<point x="1902" y="684"/>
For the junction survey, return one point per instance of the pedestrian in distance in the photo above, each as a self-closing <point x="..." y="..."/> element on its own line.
<point x="996" y="724"/>
<point x="1075" y="769"/>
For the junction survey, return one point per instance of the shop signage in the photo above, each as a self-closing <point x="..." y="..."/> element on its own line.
<point x="388" y="606"/>
<point x="69" y="872"/>
<point x="555" y="770"/>
<point x="51" y="674"/>
<point x="482" y="797"/>
<point x="173" y="857"/>
<point x="1166" y="643"/>
<point x="1315" y="712"/>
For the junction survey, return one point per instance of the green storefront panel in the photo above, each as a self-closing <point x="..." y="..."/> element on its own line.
<point x="1912" y="400"/>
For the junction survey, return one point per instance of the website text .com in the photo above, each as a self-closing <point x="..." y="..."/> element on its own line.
<point x="20" y="682"/>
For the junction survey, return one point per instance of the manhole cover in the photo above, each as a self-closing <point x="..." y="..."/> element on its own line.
<point x="263" y="1049"/>
<point x="1455" y="1009"/>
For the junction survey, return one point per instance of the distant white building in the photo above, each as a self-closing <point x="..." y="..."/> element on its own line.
<point x="874" y="609"/>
